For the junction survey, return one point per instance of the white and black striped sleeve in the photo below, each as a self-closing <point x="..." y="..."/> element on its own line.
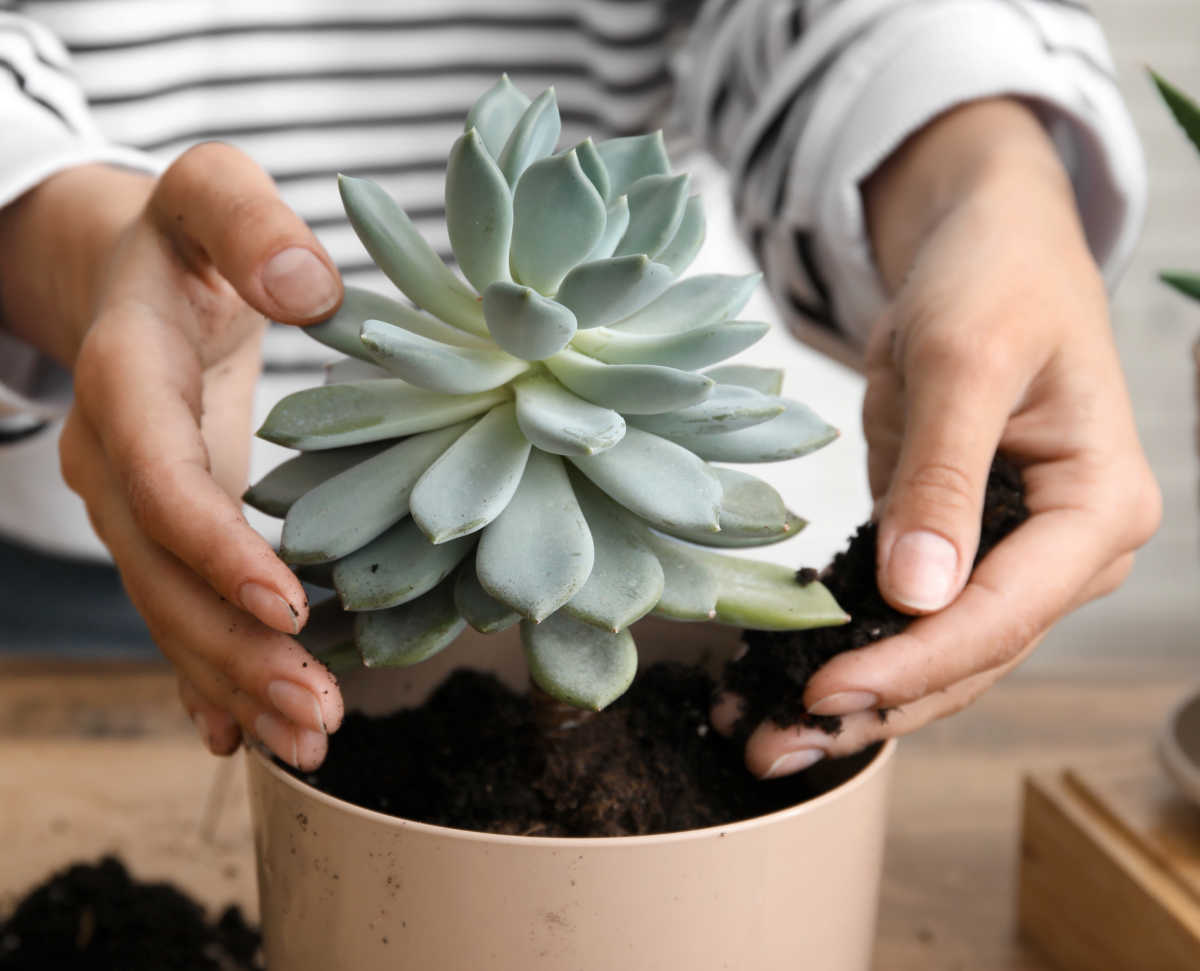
<point x="803" y="99"/>
<point x="47" y="128"/>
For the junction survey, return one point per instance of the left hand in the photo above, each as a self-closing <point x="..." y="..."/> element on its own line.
<point x="997" y="338"/>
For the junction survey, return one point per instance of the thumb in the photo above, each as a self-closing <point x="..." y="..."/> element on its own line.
<point x="222" y="209"/>
<point x="955" y="412"/>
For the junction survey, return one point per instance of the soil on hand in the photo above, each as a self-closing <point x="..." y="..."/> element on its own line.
<point x="473" y="757"/>
<point x="98" y="918"/>
<point x="772" y="675"/>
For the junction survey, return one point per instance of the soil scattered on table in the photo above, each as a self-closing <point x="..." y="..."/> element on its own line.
<point x="473" y="757"/>
<point x="96" y="917"/>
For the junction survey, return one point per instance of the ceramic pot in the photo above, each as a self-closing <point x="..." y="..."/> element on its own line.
<point x="346" y="887"/>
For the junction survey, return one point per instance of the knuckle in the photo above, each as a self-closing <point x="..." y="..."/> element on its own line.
<point x="941" y="485"/>
<point x="1148" y="509"/>
<point x="200" y="161"/>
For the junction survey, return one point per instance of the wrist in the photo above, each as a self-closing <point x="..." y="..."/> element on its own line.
<point x="55" y="241"/>
<point x="993" y="148"/>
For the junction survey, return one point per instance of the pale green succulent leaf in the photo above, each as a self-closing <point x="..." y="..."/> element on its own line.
<point x="693" y="303"/>
<point x="1186" y="283"/>
<point x="496" y="113"/>
<point x="397" y="567"/>
<point x="393" y="242"/>
<point x="656" y="207"/>
<point x="410" y="633"/>
<point x="633" y="157"/>
<point x="577" y="663"/>
<point x="616" y="221"/>
<point x="343" y="331"/>
<point x="797" y="431"/>
<point x="275" y="492"/>
<point x="474" y="479"/>
<point x="478" y="607"/>
<point x="658" y="480"/>
<point x="752" y="514"/>
<point x="436" y="366"/>
<point x="479" y="211"/>
<point x="538" y="553"/>
<point x="593" y="166"/>
<point x="555" y="420"/>
<point x="367" y="411"/>
<point x="633" y="389"/>
<point x="626" y="579"/>
<point x="687" y="351"/>
<point x="603" y="291"/>
<point x="350" y="370"/>
<point x="690" y="587"/>
<point x="526" y="324"/>
<point x="765" y="380"/>
<point x="352" y="508"/>
<point x="688" y="239"/>
<point x="533" y="137"/>
<point x="766" y="596"/>
<point x="727" y="408"/>
<point x="557" y="218"/>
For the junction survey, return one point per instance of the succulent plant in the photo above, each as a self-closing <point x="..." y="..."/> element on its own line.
<point x="535" y="445"/>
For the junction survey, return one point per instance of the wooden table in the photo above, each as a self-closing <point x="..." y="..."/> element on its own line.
<point x="98" y="757"/>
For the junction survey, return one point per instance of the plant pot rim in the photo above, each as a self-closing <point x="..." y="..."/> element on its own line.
<point x="882" y="758"/>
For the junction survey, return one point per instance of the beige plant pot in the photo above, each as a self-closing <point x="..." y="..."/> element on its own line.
<point x="345" y="887"/>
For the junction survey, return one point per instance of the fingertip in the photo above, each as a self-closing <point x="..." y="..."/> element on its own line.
<point x="920" y="572"/>
<point x="311" y="748"/>
<point x="725" y="713"/>
<point x="302" y="285"/>
<point x="272" y="608"/>
<point x="773" y="752"/>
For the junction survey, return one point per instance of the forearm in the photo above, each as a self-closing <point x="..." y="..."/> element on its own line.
<point x="55" y="242"/>
<point x="989" y="153"/>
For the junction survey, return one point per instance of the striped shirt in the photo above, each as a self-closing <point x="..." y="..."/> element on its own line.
<point x="799" y="99"/>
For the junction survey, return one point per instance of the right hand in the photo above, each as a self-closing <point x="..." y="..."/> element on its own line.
<point x="163" y="334"/>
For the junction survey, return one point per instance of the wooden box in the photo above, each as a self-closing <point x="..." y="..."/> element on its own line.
<point x="1110" y="869"/>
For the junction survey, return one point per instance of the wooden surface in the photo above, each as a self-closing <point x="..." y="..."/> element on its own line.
<point x="99" y="758"/>
<point x="1099" y="884"/>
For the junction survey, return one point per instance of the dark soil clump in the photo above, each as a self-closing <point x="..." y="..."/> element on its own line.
<point x="472" y="758"/>
<point x="772" y="675"/>
<point x="98" y="918"/>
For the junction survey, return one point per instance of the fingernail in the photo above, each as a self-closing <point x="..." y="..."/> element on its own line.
<point x="269" y="607"/>
<point x="794" y="762"/>
<point x="300" y="283"/>
<point x="310" y="749"/>
<point x="278" y="736"/>
<point x="202" y="729"/>
<point x="298" y="704"/>
<point x="845" y="703"/>
<point x="921" y="570"/>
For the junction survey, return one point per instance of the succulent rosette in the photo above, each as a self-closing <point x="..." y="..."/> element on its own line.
<point x="536" y="445"/>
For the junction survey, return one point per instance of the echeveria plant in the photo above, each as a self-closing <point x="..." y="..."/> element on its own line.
<point x="537" y="445"/>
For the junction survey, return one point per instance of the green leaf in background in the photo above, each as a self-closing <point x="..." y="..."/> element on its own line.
<point x="1185" y="110"/>
<point x="1186" y="283"/>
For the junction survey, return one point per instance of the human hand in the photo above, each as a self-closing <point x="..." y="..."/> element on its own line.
<point x="997" y="338"/>
<point x="161" y="317"/>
